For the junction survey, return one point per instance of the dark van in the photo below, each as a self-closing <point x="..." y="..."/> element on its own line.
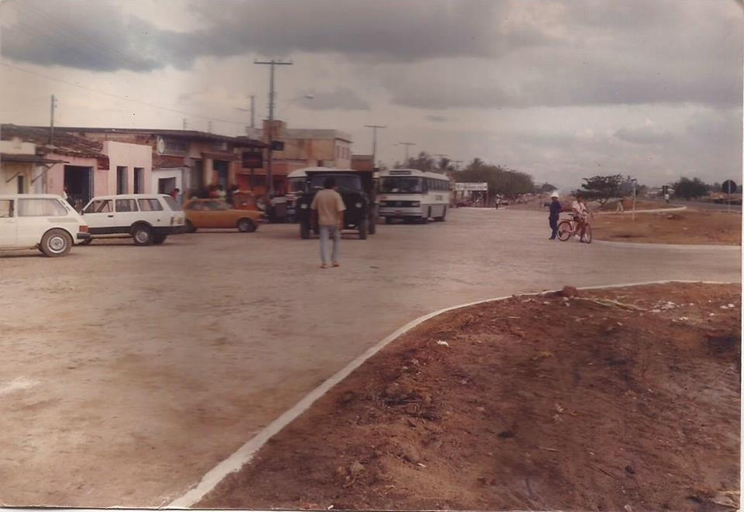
<point x="358" y="192"/>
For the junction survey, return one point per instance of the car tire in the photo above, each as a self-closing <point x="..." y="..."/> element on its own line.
<point x="363" y="229"/>
<point x="246" y="226"/>
<point x="159" y="239"/>
<point x="56" y="242"/>
<point x="142" y="235"/>
<point x="190" y="228"/>
<point x="304" y="230"/>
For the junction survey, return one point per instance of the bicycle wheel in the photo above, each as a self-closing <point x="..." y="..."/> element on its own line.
<point x="564" y="230"/>
<point x="588" y="234"/>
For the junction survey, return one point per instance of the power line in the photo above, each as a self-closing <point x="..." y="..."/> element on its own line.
<point x="190" y="114"/>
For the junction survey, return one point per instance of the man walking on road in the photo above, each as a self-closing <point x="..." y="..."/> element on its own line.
<point x="330" y="207"/>
<point x="555" y="209"/>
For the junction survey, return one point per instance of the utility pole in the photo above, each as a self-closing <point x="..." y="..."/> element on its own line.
<point x="209" y="126"/>
<point x="185" y="124"/>
<point x="269" y="170"/>
<point x="374" y="127"/>
<point x="406" y="144"/>
<point x="51" y="123"/>
<point x="253" y="110"/>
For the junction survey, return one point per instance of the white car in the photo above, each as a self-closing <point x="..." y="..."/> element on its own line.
<point x="147" y="218"/>
<point x="40" y="221"/>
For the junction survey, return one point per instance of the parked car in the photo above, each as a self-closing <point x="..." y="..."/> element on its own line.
<point x="357" y="189"/>
<point x="40" y="221"/>
<point x="217" y="214"/>
<point x="147" y="218"/>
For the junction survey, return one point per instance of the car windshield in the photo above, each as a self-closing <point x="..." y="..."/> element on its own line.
<point x="398" y="185"/>
<point x="172" y="203"/>
<point x="345" y="183"/>
<point x="297" y="184"/>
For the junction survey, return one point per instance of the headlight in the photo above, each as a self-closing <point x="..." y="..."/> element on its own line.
<point x="303" y="206"/>
<point x="358" y="205"/>
<point x="416" y="203"/>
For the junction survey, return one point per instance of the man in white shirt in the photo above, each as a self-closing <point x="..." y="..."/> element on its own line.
<point x="330" y="207"/>
<point x="580" y="212"/>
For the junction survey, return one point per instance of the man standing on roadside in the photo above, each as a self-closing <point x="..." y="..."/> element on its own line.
<point x="330" y="207"/>
<point x="555" y="209"/>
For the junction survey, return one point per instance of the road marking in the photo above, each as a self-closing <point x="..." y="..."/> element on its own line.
<point x="17" y="384"/>
<point x="245" y="453"/>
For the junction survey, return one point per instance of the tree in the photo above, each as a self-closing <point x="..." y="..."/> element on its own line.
<point x="545" y="188"/>
<point x="690" y="188"/>
<point x="509" y="183"/>
<point x="423" y="162"/>
<point x="601" y="188"/>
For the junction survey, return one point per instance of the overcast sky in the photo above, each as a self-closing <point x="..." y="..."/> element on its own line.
<point x="559" y="89"/>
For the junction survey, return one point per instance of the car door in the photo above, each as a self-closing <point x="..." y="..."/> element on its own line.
<point x="8" y="224"/>
<point x="195" y="213"/>
<point x="99" y="215"/>
<point x="127" y="213"/>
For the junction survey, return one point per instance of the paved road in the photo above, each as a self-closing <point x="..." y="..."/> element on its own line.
<point x="127" y="372"/>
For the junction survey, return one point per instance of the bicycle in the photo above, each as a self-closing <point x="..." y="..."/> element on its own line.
<point x="567" y="227"/>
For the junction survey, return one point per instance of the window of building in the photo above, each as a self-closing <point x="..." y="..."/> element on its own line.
<point x="121" y="180"/>
<point x="176" y="146"/>
<point x="139" y="180"/>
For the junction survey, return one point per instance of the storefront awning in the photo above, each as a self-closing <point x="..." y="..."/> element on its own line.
<point x="28" y="159"/>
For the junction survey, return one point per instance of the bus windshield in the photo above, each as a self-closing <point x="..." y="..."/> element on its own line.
<point x="400" y="185"/>
<point x="345" y="183"/>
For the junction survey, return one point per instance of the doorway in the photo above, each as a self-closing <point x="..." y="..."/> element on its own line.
<point x="78" y="181"/>
<point x="139" y="180"/>
<point x="220" y="167"/>
<point x="166" y="185"/>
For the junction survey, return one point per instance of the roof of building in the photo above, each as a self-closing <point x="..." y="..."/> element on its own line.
<point x="62" y="143"/>
<point x="33" y="159"/>
<point x="312" y="133"/>
<point x="183" y="134"/>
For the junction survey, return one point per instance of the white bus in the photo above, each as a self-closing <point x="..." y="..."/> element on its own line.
<point x="410" y="194"/>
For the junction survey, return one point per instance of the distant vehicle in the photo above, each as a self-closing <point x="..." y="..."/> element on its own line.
<point x="147" y="218"/>
<point x="217" y="214"/>
<point x="357" y="189"/>
<point x="413" y="195"/>
<point x="40" y="221"/>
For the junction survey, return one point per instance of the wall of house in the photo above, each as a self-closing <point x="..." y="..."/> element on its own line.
<point x="9" y="177"/>
<point x="54" y="180"/>
<point x="122" y="154"/>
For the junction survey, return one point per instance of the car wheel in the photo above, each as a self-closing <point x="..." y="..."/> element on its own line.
<point x="246" y="226"/>
<point x="56" y="242"/>
<point x="142" y="235"/>
<point x="159" y="239"/>
<point x="190" y="228"/>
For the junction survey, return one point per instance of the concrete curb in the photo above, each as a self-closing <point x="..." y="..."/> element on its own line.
<point x="656" y="210"/>
<point x="245" y="453"/>
<point x="670" y="246"/>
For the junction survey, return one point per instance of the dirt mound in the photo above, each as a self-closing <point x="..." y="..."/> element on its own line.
<point x="623" y="399"/>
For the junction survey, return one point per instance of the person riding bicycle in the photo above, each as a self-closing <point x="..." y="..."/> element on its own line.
<point x="579" y="212"/>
